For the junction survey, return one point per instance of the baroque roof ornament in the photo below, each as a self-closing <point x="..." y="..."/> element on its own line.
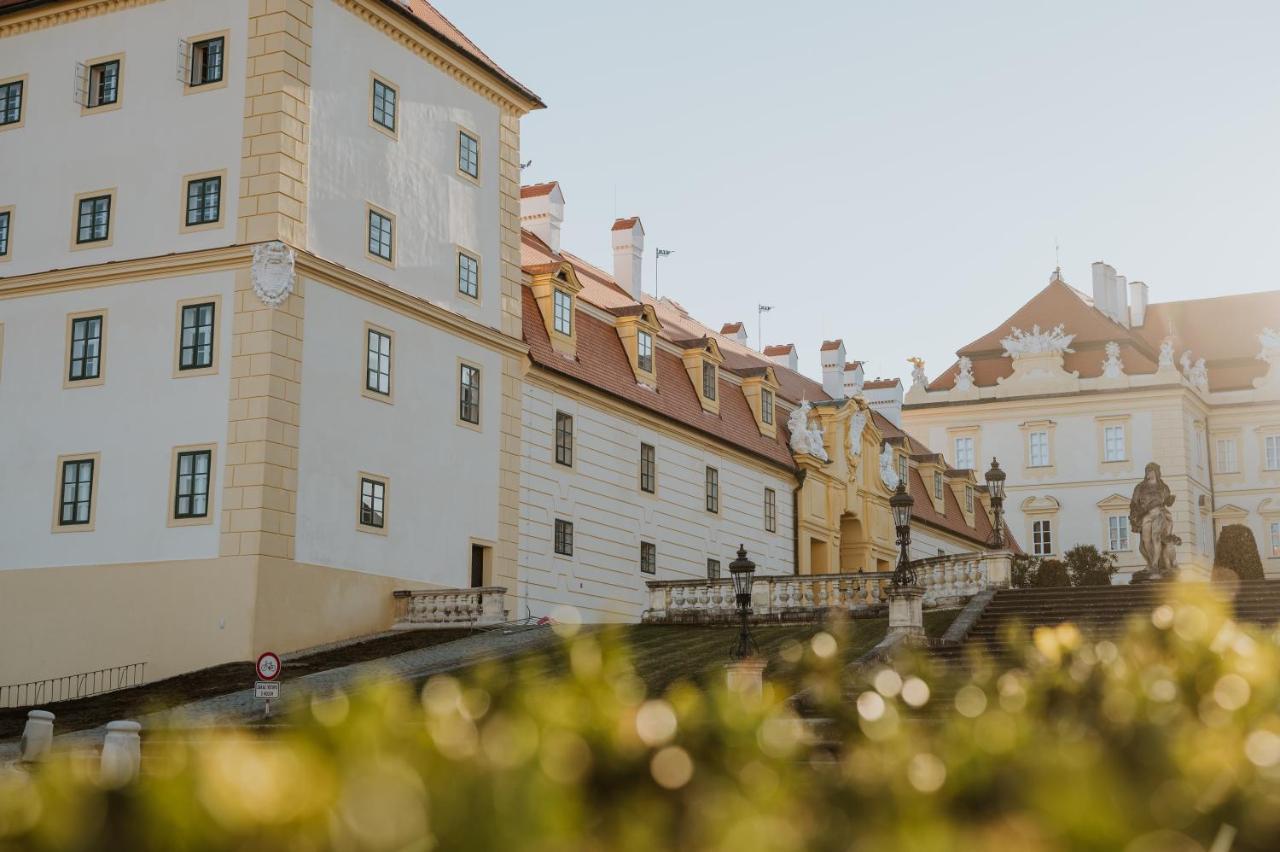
<point x="918" y="376"/>
<point x="857" y="425"/>
<point x="805" y="439"/>
<point x="964" y="379"/>
<point x="1166" y="354"/>
<point x="888" y="470"/>
<point x="272" y="272"/>
<point x="1269" y="340"/>
<point x="1113" y="367"/>
<point x="1054" y="341"/>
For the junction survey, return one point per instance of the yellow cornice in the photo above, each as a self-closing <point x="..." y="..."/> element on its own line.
<point x="452" y="62"/>
<point x="53" y="14"/>
<point x="558" y="383"/>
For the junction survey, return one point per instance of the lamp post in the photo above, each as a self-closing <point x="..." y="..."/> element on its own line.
<point x="995" y="487"/>
<point x="743" y="571"/>
<point x="904" y="576"/>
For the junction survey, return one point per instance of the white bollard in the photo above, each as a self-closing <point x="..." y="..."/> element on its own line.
<point x="37" y="736"/>
<point x="121" y="753"/>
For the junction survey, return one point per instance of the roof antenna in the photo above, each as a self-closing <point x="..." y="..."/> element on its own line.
<point x="1057" y="262"/>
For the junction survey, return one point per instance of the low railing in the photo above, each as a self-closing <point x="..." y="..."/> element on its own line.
<point x="424" y="608"/>
<point x="71" y="687"/>
<point x="945" y="579"/>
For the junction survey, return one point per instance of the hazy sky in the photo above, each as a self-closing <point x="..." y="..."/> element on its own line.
<point x="896" y="173"/>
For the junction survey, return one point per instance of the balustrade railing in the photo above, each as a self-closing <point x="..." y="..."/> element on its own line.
<point x="945" y="579"/>
<point x="422" y="608"/>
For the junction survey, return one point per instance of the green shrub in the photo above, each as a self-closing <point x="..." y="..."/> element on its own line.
<point x="1053" y="574"/>
<point x="1167" y="738"/>
<point x="1023" y="570"/>
<point x="1090" y="567"/>
<point x="1237" y="551"/>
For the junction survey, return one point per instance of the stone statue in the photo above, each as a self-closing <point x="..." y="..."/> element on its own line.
<point x="805" y="439"/>
<point x="1269" y="340"/>
<point x="1166" y="354"/>
<point x="1185" y="361"/>
<point x="272" y="272"/>
<point x="857" y="424"/>
<point x="1200" y="376"/>
<point x="1113" y="367"/>
<point x="1053" y="341"/>
<point x="917" y="372"/>
<point x="964" y="379"/>
<point x="888" y="470"/>
<point x="1150" y="518"/>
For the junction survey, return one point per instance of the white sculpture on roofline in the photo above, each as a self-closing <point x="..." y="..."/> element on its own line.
<point x="1166" y="354"/>
<point x="964" y="379"/>
<point x="1200" y="376"/>
<point x="857" y="425"/>
<point x="1113" y="367"/>
<point x="888" y="470"/>
<point x="1054" y="341"/>
<point x="1269" y="340"/>
<point x="1185" y="361"/>
<point x="272" y="272"/>
<point x="804" y="439"/>
<point x="918" y="377"/>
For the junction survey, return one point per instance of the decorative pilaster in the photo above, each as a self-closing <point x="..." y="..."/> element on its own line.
<point x="277" y="108"/>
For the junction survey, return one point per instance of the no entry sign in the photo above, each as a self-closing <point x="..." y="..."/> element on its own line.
<point x="268" y="666"/>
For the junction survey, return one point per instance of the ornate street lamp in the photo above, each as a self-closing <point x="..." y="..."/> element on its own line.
<point x="743" y="571"/>
<point x="995" y="486"/>
<point x="904" y="576"/>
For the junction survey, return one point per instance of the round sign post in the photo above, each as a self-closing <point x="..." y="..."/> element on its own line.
<point x="268" y="669"/>
<point x="268" y="666"/>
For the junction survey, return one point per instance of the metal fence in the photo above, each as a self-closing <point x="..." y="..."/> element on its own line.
<point x="70" y="687"/>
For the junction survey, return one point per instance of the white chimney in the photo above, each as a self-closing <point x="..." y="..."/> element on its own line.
<point x="628" y="254"/>
<point x="833" y="368"/>
<point x="784" y="355"/>
<point x="1138" y="296"/>
<point x="885" y="396"/>
<point x="1104" y="278"/>
<point x="735" y="330"/>
<point x="542" y="212"/>
<point x="854" y="376"/>
<point x="1121" y="301"/>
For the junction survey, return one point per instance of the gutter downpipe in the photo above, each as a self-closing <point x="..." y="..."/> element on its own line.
<point x="795" y="520"/>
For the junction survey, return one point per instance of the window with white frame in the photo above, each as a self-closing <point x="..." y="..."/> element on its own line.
<point x="968" y="499"/>
<point x="1039" y="449"/>
<point x="937" y="485"/>
<point x="469" y="394"/>
<point x="1226" y="455"/>
<point x="770" y="510"/>
<point x="562" y="312"/>
<point x="1042" y="538"/>
<point x="1275" y="539"/>
<point x="206" y="61"/>
<point x="713" y="490"/>
<point x="644" y="351"/>
<point x="964" y="452"/>
<point x="373" y="498"/>
<point x="1272" y="445"/>
<point x="1113" y="443"/>
<point x="766" y="406"/>
<point x="564" y="439"/>
<point x="708" y="380"/>
<point x="903" y="467"/>
<point x="648" y="468"/>
<point x="1118" y="533"/>
<point x="103" y="84"/>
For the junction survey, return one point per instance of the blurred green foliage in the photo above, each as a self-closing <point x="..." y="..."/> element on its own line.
<point x="1165" y="739"/>
<point x="1237" y="552"/>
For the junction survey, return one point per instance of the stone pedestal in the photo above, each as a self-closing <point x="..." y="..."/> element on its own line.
<point x="37" y="736"/>
<point x="746" y="677"/>
<point x="121" y="753"/>
<point x="906" y="613"/>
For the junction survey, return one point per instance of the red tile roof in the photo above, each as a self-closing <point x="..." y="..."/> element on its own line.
<point x="534" y="190"/>
<point x="731" y="328"/>
<point x="828" y="345"/>
<point x="780" y="349"/>
<point x="1222" y="330"/>
<point x="626" y="224"/>
<point x="881" y="384"/>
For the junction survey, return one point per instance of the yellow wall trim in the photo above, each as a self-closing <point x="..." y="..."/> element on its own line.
<point x="125" y="271"/>
<point x="62" y="13"/>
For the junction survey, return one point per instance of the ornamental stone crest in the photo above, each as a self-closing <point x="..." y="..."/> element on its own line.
<point x="1166" y="354"/>
<point x="888" y="470"/>
<point x="918" y="376"/>
<point x="857" y="425"/>
<point x="272" y="272"/>
<point x="1054" y="341"/>
<point x="964" y="379"/>
<point x="1113" y="367"/>
<point x="1199" y="376"/>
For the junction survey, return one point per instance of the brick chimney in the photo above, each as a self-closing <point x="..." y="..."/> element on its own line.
<point x="542" y="212"/>
<point x="832" y="354"/>
<point x="784" y="355"/>
<point x="628" y="254"/>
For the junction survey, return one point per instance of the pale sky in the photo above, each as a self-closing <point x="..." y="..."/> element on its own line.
<point x="897" y="173"/>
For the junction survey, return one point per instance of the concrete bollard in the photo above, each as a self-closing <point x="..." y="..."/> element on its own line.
<point x="121" y="753"/>
<point x="37" y="736"/>
<point x="746" y="677"/>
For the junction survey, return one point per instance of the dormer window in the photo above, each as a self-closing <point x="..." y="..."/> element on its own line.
<point x="644" y="351"/>
<point x="766" y="406"/>
<point x="708" y="380"/>
<point x="968" y="499"/>
<point x="562" y="306"/>
<point x="937" y="485"/>
<point x="902" y="467"/>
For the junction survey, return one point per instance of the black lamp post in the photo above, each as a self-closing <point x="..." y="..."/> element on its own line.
<point x="743" y="571"/>
<point x="904" y="575"/>
<point x="995" y="487"/>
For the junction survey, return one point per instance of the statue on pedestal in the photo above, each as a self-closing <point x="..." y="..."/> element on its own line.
<point x="1151" y="520"/>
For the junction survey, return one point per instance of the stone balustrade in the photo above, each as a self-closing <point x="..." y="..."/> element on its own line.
<point x="426" y="608"/>
<point x="795" y="597"/>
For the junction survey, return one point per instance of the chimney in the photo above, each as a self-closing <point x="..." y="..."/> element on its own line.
<point x="885" y="397"/>
<point x="854" y="376"/>
<point x="1104" y="276"/>
<point x="542" y="212"/>
<point x="736" y="330"/>
<point x="833" y="368"/>
<point x="628" y="254"/>
<point x="784" y="355"/>
<point x="1137" y="304"/>
<point x="1121" y="301"/>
